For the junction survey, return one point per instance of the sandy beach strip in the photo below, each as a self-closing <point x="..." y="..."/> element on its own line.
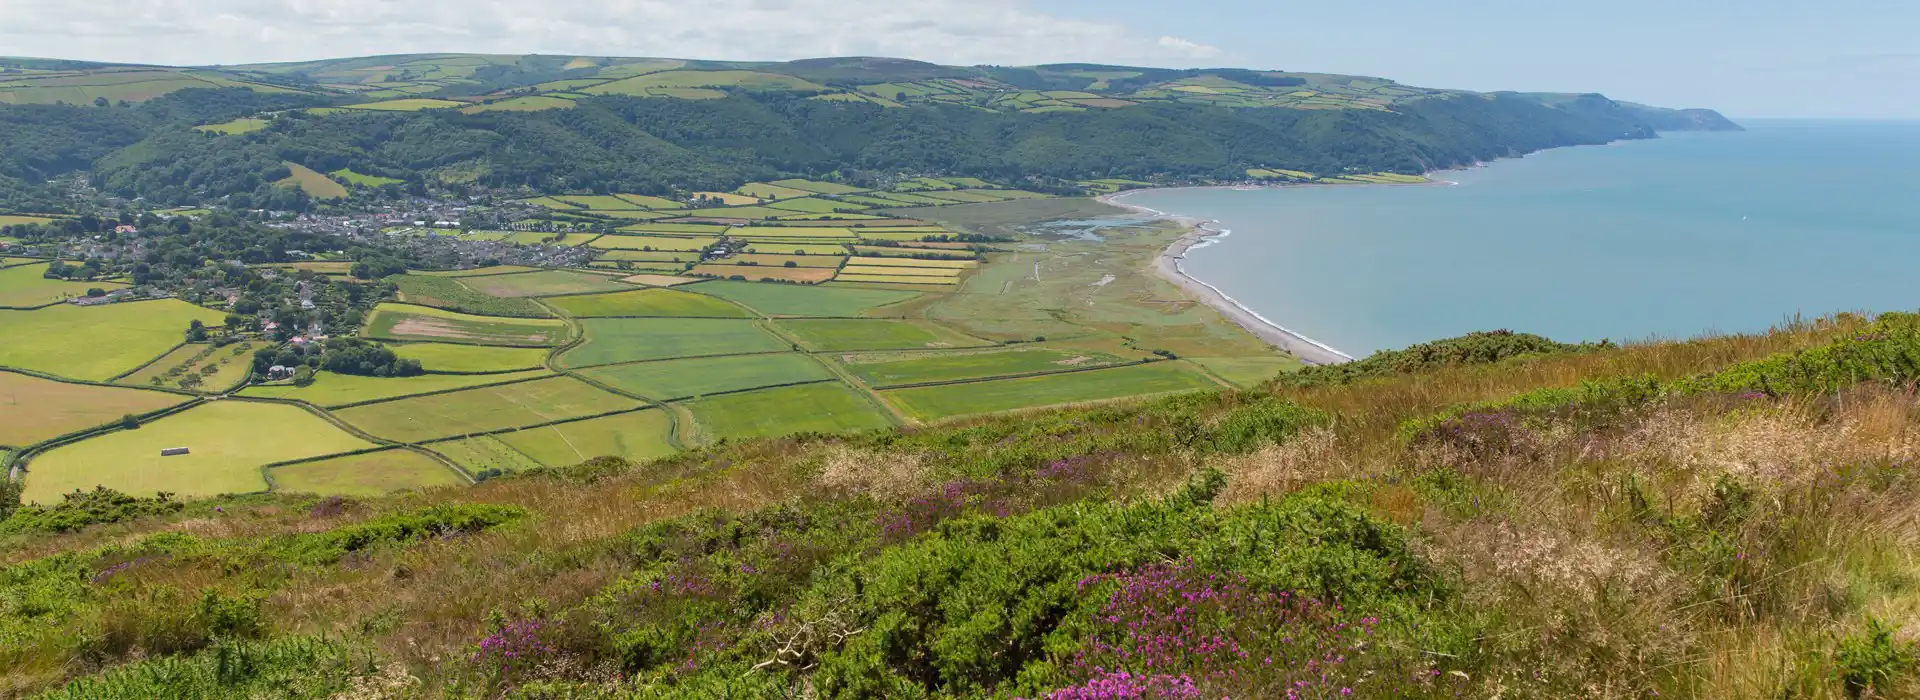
<point x="1310" y="351"/>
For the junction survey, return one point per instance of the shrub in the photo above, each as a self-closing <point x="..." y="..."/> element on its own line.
<point x="79" y="509"/>
<point x="1472" y="349"/>
<point x="1872" y="659"/>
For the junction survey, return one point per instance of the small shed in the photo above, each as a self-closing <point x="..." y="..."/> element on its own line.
<point x="174" y="451"/>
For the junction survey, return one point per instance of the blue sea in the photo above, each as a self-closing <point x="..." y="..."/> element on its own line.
<point x="1670" y="238"/>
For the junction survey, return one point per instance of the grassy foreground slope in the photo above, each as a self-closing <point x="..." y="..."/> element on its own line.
<point x="1727" y="517"/>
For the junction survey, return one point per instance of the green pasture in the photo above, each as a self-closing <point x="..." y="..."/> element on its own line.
<point x="797" y="300"/>
<point x="407" y="105"/>
<point x="421" y="323"/>
<point x="842" y="334"/>
<point x="680" y="79"/>
<point x="778" y="247"/>
<point x="243" y="125"/>
<point x="817" y="186"/>
<point x="673" y="256"/>
<point x="448" y="357"/>
<point x="99" y="342"/>
<point x="34" y="409"/>
<point x="364" y="475"/>
<point x="814" y="205"/>
<point x="698" y="229"/>
<point x="481" y="271"/>
<point x="484" y="452"/>
<point x="651" y="202"/>
<point x="637" y="436"/>
<point x="218" y="368"/>
<point x="453" y="294"/>
<point x="748" y="212"/>
<point x="825" y="408"/>
<point x="354" y="178"/>
<point x="626" y="242"/>
<point x="598" y="202"/>
<point x="25" y="287"/>
<point x="617" y="340"/>
<point x="676" y="379"/>
<point x="229" y="441"/>
<point x="484" y="409"/>
<point x="647" y="302"/>
<point x="329" y="389"/>
<point x="937" y="402"/>
<point x="525" y="103"/>
<point x="1247" y="372"/>
<point x="764" y="190"/>
<point x="894" y="369"/>
<point x="540" y="284"/>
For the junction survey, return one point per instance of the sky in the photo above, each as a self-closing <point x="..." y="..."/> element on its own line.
<point x="1751" y="58"/>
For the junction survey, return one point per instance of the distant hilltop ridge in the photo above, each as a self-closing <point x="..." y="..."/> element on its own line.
<point x="889" y="82"/>
<point x="672" y="127"/>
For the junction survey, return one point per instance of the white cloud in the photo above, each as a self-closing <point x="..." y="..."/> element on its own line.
<point x="199" y="32"/>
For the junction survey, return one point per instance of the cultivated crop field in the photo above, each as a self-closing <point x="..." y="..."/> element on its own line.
<point x="448" y="357"/>
<point x="636" y="435"/>
<point x="647" y="302"/>
<point x="34" y="409"/>
<point x="453" y="294"/>
<point x="484" y="409"/>
<point x="829" y="408"/>
<point x="406" y="322"/>
<point x="627" y="242"/>
<point x="330" y="390"/>
<point x="836" y="335"/>
<point x="96" y="343"/>
<point x="366" y="475"/>
<point x="540" y="284"/>
<point x="761" y="273"/>
<point x="789" y="300"/>
<point x="230" y="441"/>
<point x="950" y="400"/>
<point x="678" y="379"/>
<point x="617" y="340"/>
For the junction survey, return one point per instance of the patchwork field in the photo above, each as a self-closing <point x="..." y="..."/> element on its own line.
<point x="839" y="334"/>
<point x="817" y="186"/>
<point x="407" y="105"/>
<point x="884" y="370"/>
<point x="767" y="260"/>
<point x="329" y="389"/>
<point x="791" y="248"/>
<point x="96" y="343"/>
<point x="230" y="441"/>
<point x="454" y="294"/>
<point x="625" y="242"/>
<point x="34" y="409"/>
<point x="448" y="357"/>
<point x="658" y="280"/>
<point x="731" y="199"/>
<point x="197" y="367"/>
<point x="764" y="190"/>
<point x="784" y="411"/>
<point x="637" y="436"/>
<point x="937" y="402"/>
<point x="789" y="300"/>
<point x="350" y="177"/>
<point x="761" y="273"/>
<point x="617" y="340"/>
<point x="540" y="284"/>
<point x="677" y="229"/>
<point x="647" y="302"/>
<point x="1246" y="372"/>
<point x="25" y="287"/>
<point x="243" y="125"/>
<point x="651" y="202"/>
<point x="366" y="475"/>
<point x="912" y="263"/>
<point x="480" y="271"/>
<point x="678" y="379"/>
<point x="482" y="453"/>
<point x="813" y="205"/>
<point x="484" y="409"/>
<point x="796" y="234"/>
<point x="933" y="281"/>
<point x="406" y="322"/>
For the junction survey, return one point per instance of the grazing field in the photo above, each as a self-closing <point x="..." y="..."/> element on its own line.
<point x="638" y="436"/>
<point x="96" y="343"/>
<point x="229" y="441"/>
<point x="658" y="83"/>
<point x="806" y="233"/>
<point x="678" y="379"/>
<point x="24" y="287"/>
<point x="453" y="294"/>
<point x="480" y="271"/>
<point x="892" y="279"/>
<point x="483" y="453"/>
<point x="1008" y="218"/>
<point x="1247" y="372"/>
<point x="316" y="185"/>
<point x="775" y="260"/>
<point x="599" y="202"/>
<point x="329" y="389"/>
<point x="648" y="302"/>
<point x="659" y="280"/>
<point x="197" y="367"/>
<point x="754" y="212"/>
<point x="34" y="409"/>
<point x="817" y="186"/>
<point x="243" y="125"/>
<point x="406" y="322"/>
<point x="902" y="271"/>
<point x="617" y="340"/>
<point x="840" y="334"/>
<point x="826" y="408"/>
<point x="526" y="103"/>
<point x="353" y="178"/>
<point x="936" y="402"/>
<point x="789" y="248"/>
<point x="894" y="369"/>
<point x="540" y="284"/>
<point x="677" y="229"/>
<point x="764" y="190"/>
<point x="913" y="262"/>
<point x="813" y="205"/>
<point x="891" y="253"/>
<point x="651" y="202"/>
<point x="484" y="409"/>
<point x="730" y="199"/>
<point x="407" y="105"/>
<point x="447" y="357"/>
<point x="365" y="475"/>
<point x="791" y="300"/>
<point x="760" y="273"/>
<point x="648" y="256"/>
<point x="625" y="242"/>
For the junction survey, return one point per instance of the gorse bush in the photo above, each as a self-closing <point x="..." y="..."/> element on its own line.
<point x="80" y="509"/>
<point x="1485" y="347"/>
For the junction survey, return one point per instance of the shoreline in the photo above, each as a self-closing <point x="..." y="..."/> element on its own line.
<point x="1199" y="233"/>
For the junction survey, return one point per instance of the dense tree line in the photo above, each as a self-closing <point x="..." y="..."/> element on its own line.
<point x="629" y="144"/>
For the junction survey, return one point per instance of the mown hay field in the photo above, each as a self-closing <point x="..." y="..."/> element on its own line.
<point x="638" y="436"/>
<point x="647" y="302"/>
<point x="775" y="260"/>
<point x="449" y="357"/>
<point x="825" y="407"/>
<point x="791" y="300"/>
<point x="483" y="453"/>
<point x="678" y="379"/>
<point x="484" y="409"/>
<point x="96" y="343"/>
<point x="540" y="284"/>
<point x="946" y="401"/>
<point x="791" y="248"/>
<point x="229" y="441"/>
<point x="617" y="340"/>
<point x="840" y="334"/>
<point x="26" y="286"/>
<point x="329" y="389"/>
<point x="34" y="409"/>
<point x="364" y="475"/>
<point x="912" y="262"/>
<point x="891" y="279"/>
<point x="626" y="242"/>
<point x="421" y="323"/>
<point x="762" y="273"/>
